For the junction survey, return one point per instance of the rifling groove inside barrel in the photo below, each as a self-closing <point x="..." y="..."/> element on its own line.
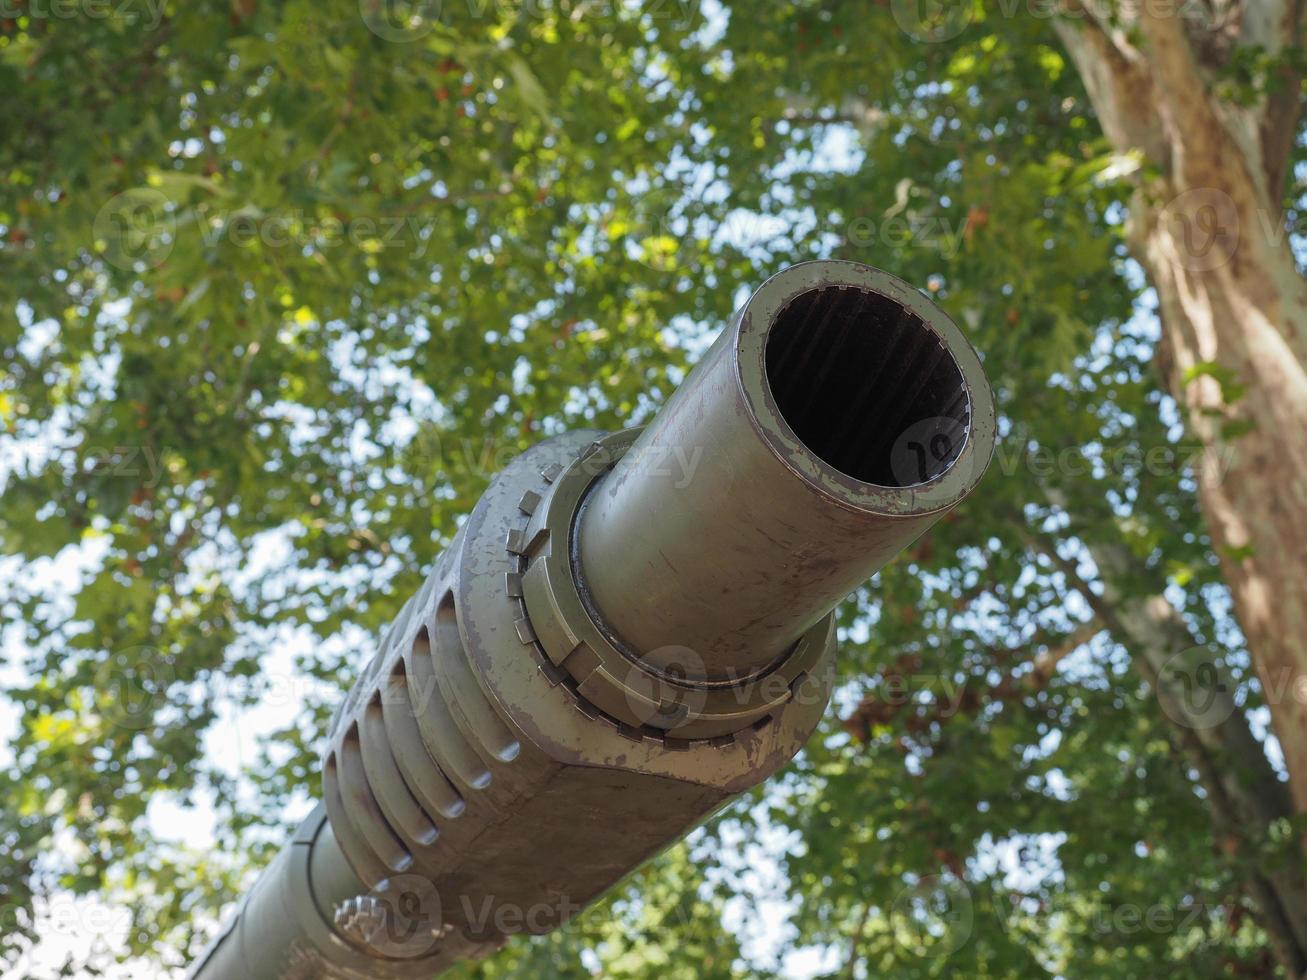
<point x="880" y="371"/>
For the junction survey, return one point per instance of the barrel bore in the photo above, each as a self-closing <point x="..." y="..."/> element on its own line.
<point x="851" y="369"/>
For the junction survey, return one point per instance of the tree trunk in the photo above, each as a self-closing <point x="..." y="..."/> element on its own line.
<point x="1207" y="226"/>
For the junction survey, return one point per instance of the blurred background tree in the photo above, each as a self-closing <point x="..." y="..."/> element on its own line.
<point x="283" y="284"/>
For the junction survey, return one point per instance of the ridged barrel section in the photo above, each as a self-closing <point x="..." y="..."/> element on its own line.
<point x="413" y="757"/>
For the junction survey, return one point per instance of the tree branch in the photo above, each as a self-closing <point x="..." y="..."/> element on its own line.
<point x="1276" y="26"/>
<point x="1046" y="663"/>
<point x="1118" y="82"/>
<point x="1244" y="791"/>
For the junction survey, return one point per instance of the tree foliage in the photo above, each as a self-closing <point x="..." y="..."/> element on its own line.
<point x="285" y="283"/>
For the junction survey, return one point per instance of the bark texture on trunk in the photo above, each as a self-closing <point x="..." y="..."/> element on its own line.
<point x="1207" y="226"/>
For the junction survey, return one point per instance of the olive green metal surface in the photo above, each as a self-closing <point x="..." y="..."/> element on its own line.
<point x="629" y="630"/>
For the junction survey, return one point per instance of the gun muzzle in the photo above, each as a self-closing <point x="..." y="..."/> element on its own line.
<point x="837" y="417"/>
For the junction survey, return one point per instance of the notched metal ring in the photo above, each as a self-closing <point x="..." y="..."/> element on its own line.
<point x="613" y="680"/>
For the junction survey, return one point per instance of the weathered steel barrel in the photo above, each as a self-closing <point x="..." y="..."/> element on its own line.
<point x="786" y="470"/>
<point x="630" y="629"/>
